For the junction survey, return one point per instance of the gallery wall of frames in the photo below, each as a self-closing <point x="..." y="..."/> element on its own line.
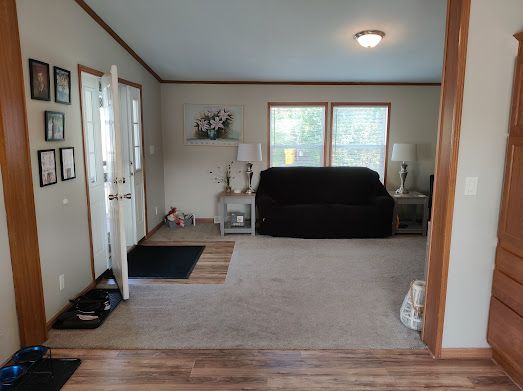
<point x="53" y="121"/>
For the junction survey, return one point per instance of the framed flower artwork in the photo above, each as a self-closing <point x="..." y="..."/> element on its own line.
<point x="213" y="124"/>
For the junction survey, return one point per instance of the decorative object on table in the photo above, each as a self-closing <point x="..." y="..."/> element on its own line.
<point x="39" y="80"/>
<point x="224" y="175"/>
<point x="403" y="153"/>
<point x="175" y="219"/>
<point x="47" y="167"/>
<point x="62" y="85"/>
<point x="67" y="163"/>
<point x="411" y="312"/>
<point x="54" y="122"/>
<point x="213" y="124"/>
<point x="249" y="153"/>
<point x="237" y="219"/>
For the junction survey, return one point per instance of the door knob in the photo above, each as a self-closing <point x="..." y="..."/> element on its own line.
<point x="113" y="197"/>
<point x="128" y="196"/>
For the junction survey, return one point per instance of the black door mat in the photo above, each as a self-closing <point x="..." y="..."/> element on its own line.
<point x="163" y="261"/>
<point x="39" y="377"/>
<point x="68" y="320"/>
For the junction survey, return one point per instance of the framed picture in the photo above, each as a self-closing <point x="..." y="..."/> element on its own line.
<point x="62" y="86"/>
<point x="67" y="163"/>
<point x="54" y="126"/>
<point x="220" y="125"/>
<point x="39" y="80"/>
<point x="47" y="167"/>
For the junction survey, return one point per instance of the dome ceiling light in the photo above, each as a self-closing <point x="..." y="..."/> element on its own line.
<point x="369" y="38"/>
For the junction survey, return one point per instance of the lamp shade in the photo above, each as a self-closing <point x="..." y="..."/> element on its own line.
<point x="404" y="153"/>
<point x="249" y="153"/>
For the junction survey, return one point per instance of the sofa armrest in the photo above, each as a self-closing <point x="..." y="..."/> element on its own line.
<point x="384" y="202"/>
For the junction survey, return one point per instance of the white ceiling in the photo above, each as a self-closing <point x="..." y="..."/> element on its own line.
<point x="282" y="40"/>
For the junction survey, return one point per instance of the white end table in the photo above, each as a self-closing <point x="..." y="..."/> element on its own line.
<point x="237" y="198"/>
<point x="412" y="198"/>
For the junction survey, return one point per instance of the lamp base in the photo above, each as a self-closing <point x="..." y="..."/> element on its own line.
<point x="403" y="176"/>
<point x="249" y="173"/>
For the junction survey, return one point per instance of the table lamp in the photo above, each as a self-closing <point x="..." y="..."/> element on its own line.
<point x="403" y="153"/>
<point x="249" y="153"/>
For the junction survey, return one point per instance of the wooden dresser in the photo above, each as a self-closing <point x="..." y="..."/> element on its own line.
<point x="505" y="332"/>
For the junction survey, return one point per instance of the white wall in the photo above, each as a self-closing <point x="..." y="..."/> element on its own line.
<point x="9" y="339"/>
<point x="60" y="33"/>
<point x="188" y="184"/>
<point x="486" y="105"/>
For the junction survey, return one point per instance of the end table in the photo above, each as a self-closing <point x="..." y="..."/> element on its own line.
<point x="226" y="198"/>
<point x="412" y="198"/>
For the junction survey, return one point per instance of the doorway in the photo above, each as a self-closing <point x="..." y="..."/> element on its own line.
<point x="94" y="120"/>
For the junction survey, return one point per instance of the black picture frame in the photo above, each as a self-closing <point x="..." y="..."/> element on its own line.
<point x="39" y="80"/>
<point x="62" y="76"/>
<point x="47" y="173"/>
<point x="54" y="126"/>
<point x="67" y="176"/>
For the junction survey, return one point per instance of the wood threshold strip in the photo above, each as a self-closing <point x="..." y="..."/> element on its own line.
<point x="116" y="37"/>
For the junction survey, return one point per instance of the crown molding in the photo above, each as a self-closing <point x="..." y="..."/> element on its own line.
<point x="302" y="83"/>
<point x="116" y="37"/>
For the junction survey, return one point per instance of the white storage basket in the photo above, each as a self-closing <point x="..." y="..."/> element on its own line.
<point x="411" y="312"/>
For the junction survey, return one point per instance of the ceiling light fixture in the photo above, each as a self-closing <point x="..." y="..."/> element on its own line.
<point x="369" y="38"/>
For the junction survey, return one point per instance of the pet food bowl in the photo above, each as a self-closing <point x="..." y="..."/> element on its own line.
<point x="11" y="374"/>
<point x="30" y="354"/>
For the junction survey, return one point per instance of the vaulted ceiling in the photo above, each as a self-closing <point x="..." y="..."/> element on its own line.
<point x="282" y="40"/>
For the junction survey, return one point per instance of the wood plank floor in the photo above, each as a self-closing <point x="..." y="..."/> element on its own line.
<point x="211" y="268"/>
<point x="201" y="370"/>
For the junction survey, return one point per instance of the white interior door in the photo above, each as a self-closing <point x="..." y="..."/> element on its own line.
<point x="115" y="179"/>
<point x="95" y="171"/>
<point x="136" y="161"/>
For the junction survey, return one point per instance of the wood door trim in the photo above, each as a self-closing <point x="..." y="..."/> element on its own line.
<point x="456" y="37"/>
<point x="298" y="104"/>
<point x="116" y="37"/>
<point x="387" y="136"/>
<point x="15" y="162"/>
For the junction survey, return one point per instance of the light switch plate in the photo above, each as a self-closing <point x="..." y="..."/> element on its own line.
<point x="61" y="281"/>
<point x="151" y="150"/>
<point x="471" y="185"/>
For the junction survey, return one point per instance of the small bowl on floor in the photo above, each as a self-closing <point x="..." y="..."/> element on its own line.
<point x="10" y="374"/>
<point x="29" y="354"/>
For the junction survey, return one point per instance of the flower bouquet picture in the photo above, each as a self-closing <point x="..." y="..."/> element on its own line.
<point x="213" y="124"/>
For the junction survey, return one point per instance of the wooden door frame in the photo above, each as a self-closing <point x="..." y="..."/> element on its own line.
<point x="451" y="101"/>
<point x="96" y="72"/>
<point x="15" y="162"/>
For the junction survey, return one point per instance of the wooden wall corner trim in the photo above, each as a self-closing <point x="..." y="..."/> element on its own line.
<point x="453" y="81"/>
<point x="116" y="37"/>
<point x="466" y="353"/>
<point x="15" y="162"/>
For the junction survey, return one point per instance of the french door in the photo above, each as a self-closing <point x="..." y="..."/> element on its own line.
<point x="117" y="197"/>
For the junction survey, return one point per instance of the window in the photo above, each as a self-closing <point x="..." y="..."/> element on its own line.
<point x="90" y="147"/>
<point x="137" y="135"/>
<point x="297" y="134"/>
<point x="359" y="135"/>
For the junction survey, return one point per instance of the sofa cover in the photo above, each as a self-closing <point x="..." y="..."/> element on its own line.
<point x="323" y="202"/>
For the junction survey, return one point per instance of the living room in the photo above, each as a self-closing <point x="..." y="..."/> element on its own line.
<point x="339" y="130"/>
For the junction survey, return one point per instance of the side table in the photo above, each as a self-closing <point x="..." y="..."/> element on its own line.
<point x="226" y="198"/>
<point x="412" y="198"/>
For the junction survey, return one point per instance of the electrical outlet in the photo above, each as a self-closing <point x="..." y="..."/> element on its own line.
<point x="471" y="185"/>
<point x="61" y="281"/>
<point x="217" y="219"/>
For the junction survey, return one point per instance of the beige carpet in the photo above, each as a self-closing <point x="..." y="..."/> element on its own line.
<point x="280" y="293"/>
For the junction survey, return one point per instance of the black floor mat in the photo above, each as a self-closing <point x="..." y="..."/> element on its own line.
<point x="62" y="370"/>
<point x="64" y="322"/>
<point x="163" y="261"/>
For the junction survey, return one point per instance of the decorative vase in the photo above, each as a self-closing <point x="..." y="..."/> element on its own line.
<point x="228" y="189"/>
<point x="212" y="134"/>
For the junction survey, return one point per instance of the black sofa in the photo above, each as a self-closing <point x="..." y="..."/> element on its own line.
<point x="323" y="202"/>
